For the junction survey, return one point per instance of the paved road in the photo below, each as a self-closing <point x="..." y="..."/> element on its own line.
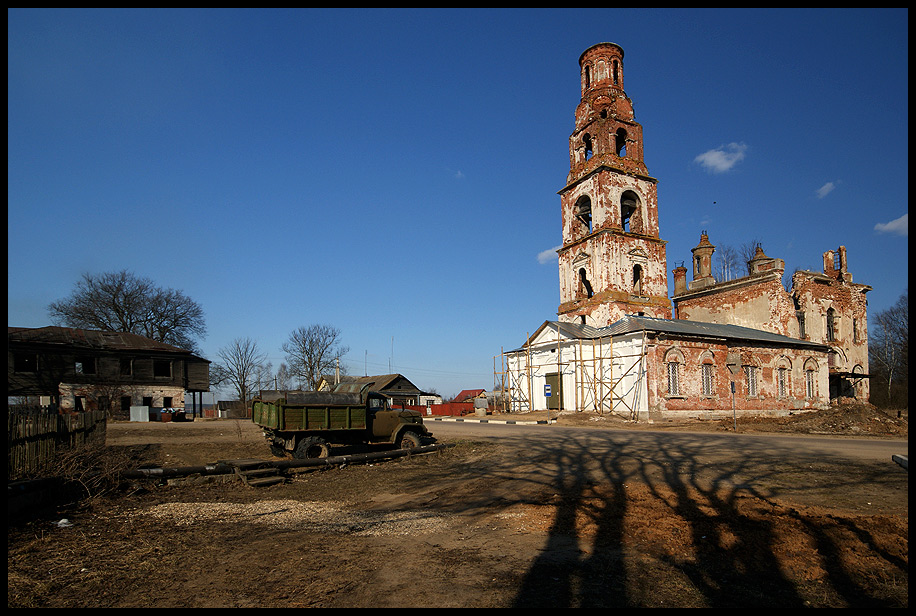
<point x="780" y="445"/>
<point x="856" y="474"/>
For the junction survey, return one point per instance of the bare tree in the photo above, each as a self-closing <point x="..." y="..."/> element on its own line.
<point x="284" y="378"/>
<point x="748" y="251"/>
<point x="240" y="363"/>
<point x="727" y="263"/>
<point x="263" y="377"/>
<point x="313" y="351"/>
<point x="888" y="351"/>
<point x="730" y="263"/>
<point x="124" y="302"/>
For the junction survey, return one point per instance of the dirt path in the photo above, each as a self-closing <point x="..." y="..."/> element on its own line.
<point x="465" y="527"/>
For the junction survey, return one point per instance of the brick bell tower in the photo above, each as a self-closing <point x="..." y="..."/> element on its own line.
<point x="612" y="261"/>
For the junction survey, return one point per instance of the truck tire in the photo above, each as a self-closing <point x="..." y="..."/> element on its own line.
<point x="312" y="447"/>
<point x="409" y="440"/>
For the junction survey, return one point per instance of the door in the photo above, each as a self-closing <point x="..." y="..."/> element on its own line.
<point x="555" y="400"/>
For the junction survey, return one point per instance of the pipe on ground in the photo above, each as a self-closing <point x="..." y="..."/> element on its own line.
<point x="221" y="468"/>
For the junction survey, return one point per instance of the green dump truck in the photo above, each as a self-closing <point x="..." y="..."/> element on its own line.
<point x="306" y="423"/>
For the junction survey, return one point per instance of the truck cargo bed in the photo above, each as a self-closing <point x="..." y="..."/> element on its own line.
<point x="294" y="417"/>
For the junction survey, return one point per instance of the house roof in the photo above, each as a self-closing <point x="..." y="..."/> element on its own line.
<point x="464" y="394"/>
<point x="380" y="383"/>
<point x="676" y="327"/>
<point x="88" y="339"/>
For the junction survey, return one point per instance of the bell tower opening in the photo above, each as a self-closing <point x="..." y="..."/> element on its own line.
<point x="620" y="142"/>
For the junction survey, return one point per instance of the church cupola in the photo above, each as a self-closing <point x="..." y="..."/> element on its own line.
<point x="606" y="131"/>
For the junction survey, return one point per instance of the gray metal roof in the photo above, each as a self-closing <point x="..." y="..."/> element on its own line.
<point x="676" y="327"/>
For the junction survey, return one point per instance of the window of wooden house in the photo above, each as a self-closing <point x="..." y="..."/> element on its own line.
<point x="25" y="362"/>
<point x="127" y="366"/>
<point x="84" y="365"/>
<point x="162" y="368"/>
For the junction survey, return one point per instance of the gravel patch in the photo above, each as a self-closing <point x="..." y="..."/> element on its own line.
<point x="302" y="515"/>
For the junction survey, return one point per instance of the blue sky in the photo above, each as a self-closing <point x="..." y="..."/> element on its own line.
<point x="394" y="173"/>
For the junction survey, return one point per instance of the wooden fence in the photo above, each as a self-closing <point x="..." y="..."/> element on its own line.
<point x="34" y="438"/>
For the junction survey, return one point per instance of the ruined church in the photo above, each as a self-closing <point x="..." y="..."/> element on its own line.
<point x="716" y="348"/>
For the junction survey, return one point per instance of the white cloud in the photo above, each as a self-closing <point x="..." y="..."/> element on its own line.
<point x="899" y="226"/>
<point x="825" y="190"/>
<point x="722" y="158"/>
<point x="546" y="256"/>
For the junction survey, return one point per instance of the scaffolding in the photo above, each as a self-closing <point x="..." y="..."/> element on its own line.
<point x="604" y="382"/>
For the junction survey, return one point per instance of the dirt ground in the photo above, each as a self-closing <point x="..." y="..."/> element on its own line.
<point x="462" y="527"/>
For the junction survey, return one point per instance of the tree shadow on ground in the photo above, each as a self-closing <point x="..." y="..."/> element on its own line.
<point x="664" y="522"/>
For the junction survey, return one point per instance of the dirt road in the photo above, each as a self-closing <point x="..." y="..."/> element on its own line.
<point x="472" y="526"/>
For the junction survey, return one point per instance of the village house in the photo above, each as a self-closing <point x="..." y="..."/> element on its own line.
<point x="74" y="370"/>
<point x="396" y="387"/>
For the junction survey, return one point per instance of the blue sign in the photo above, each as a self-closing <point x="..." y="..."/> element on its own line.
<point x="547" y="391"/>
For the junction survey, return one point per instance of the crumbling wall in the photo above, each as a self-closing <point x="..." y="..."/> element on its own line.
<point x="760" y="302"/>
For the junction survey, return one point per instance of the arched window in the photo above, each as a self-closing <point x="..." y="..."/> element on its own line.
<point x="587" y="142"/>
<point x="585" y="287"/>
<point x="673" y="361"/>
<point x="783" y="371"/>
<point x="588" y="75"/>
<point x="831" y="325"/>
<point x="621" y="142"/>
<point x="616" y="72"/>
<point x="810" y="379"/>
<point x="637" y="280"/>
<point x="750" y="380"/>
<point x="707" y="373"/>
<point x="629" y="207"/>
<point x="584" y="212"/>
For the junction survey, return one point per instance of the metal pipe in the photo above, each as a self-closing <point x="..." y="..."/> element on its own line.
<point x="221" y="468"/>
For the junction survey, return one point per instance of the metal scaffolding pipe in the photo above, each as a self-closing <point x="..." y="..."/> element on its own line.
<point x="222" y="468"/>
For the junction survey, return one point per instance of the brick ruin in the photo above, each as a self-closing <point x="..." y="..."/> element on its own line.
<point x="747" y="345"/>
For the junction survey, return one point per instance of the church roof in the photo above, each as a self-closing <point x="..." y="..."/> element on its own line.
<point x="632" y="324"/>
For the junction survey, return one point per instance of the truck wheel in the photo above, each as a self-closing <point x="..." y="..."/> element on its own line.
<point x="312" y="447"/>
<point x="409" y="440"/>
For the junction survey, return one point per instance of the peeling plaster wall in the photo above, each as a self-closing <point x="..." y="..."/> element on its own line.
<point x="90" y="394"/>
<point x="760" y="302"/>
<point x="728" y="361"/>
<point x="816" y="294"/>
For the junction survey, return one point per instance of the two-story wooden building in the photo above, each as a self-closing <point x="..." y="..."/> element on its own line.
<point x="78" y="369"/>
